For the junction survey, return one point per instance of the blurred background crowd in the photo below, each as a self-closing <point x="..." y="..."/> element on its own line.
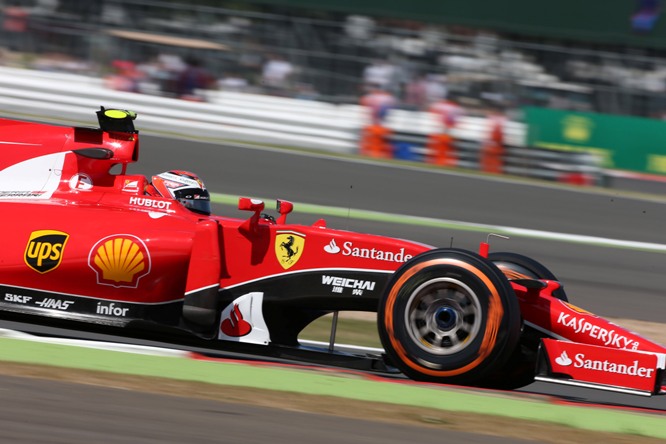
<point x="338" y="55"/>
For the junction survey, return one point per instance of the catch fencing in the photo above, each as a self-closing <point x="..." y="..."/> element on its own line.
<point x="276" y="121"/>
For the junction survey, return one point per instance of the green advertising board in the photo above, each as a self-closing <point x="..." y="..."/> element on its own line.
<point x="624" y="143"/>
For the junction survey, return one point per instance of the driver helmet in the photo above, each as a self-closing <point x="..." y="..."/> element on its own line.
<point x="185" y="187"/>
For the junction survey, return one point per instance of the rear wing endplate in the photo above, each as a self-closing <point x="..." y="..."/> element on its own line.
<point x="116" y="120"/>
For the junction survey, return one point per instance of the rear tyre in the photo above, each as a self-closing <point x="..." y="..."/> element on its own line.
<point x="449" y="316"/>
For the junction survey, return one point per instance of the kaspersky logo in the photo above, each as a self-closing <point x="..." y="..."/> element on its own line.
<point x="606" y="366"/>
<point x="44" y="250"/>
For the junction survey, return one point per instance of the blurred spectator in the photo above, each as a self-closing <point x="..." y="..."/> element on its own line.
<point x="379" y="73"/>
<point x="276" y="75"/>
<point x="45" y="7"/>
<point x="359" y="27"/>
<point x="435" y="88"/>
<point x="234" y="82"/>
<point x="250" y="60"/>
<point x="15" y="27"/>
<point x="646" y="15"/>
<point x="152" y="76"/>
<point x="448" y="113"/>
<point x="305" y="91"/>
<point x="416" y="93"/>
<point x="113" y="14"/>
<point x="496" y="122"/>
<point x="193" y="80"/>
<point x="59" y="62"/>
<point x="169" y="68"/>
<point x="378" y="102"/>
<point x="125" y="76"/>
<point x="493" y="150"/>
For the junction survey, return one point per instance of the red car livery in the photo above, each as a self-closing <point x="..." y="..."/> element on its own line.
<point x="86" y="244"/>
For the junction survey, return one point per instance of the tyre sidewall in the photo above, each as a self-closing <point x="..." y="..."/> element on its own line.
<point x="500" y="319"/>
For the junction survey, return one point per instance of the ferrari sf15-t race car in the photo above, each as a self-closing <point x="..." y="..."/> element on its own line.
<point x="87" y="243"/>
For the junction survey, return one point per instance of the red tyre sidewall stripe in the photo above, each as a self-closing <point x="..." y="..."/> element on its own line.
<point x="495" y="314"/>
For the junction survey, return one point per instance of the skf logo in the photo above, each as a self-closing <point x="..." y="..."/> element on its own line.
<point x="120" y="260"/>
<point x="289" y="248"/>
<point x="44" y="250"/>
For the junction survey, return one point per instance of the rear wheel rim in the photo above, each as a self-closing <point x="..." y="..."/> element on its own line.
<point x="443" y="316"/>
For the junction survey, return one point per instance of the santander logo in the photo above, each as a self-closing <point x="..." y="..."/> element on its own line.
<point x="582" y="362"/>
<point x="332" y="247"/>
<point x="349" y="249"/>
<point x="235" y="326"/>
<point x="564" y="359"/>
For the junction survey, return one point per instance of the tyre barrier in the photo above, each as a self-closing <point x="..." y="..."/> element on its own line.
<point x="574" y="168"/>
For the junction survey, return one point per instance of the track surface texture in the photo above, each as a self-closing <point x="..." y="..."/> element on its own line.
<point x="123" y="412"/>
<point x="54" y="406"/>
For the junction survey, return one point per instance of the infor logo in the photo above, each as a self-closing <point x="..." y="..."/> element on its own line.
<point x="44" y="250"/>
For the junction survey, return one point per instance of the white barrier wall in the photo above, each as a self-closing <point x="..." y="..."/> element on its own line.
<point x="226" y="115"/>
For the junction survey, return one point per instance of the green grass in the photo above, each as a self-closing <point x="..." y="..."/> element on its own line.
<point x="349" y="331"/>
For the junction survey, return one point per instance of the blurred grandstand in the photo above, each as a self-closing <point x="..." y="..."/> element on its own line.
<point x="327" y="54"/>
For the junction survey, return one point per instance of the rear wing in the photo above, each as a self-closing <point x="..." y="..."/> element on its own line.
<point x="38" y="159"/>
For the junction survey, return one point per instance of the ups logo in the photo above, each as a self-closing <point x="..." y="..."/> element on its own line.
<point x="44" y="250"/>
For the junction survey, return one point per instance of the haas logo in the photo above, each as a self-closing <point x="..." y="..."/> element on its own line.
<point x="234" y="325"/>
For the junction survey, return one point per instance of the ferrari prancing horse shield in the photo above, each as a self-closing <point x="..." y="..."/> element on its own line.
<point x="289" y="247"/>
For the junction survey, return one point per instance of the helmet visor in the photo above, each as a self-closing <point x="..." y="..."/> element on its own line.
<point x="194" y="199"/>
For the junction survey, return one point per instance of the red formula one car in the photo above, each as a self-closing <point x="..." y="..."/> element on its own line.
<point x="87" y="243"/>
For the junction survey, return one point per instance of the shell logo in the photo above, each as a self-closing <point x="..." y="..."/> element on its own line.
<point x="120" y="260"/>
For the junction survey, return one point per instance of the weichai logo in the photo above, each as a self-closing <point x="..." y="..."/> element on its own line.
<point x="45" y="249"/>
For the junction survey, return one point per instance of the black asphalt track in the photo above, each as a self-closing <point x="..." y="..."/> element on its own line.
<point x="41" y="411"/>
